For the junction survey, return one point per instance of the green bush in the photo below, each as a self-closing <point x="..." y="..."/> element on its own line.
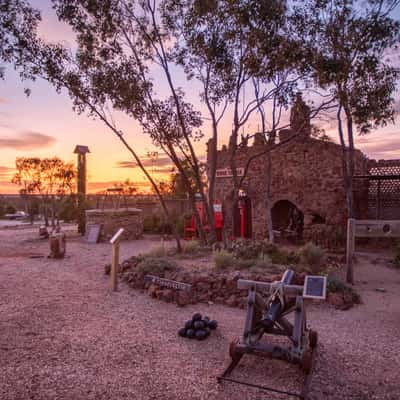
<point x="191" y="247"/>
<point x="283" y="257"/>
<point x="245" y="263"/>
<point x="249" y="248"/>
<point x="156" y="266"/>
<point x="224" y="259"/>
<point x="312" y="255"/>
<point x="159" y="251"/>
<point x="337" y="286"/>
<point x="151" y="224"/>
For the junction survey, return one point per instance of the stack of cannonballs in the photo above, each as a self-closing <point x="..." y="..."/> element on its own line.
<point x="198" y="327"/>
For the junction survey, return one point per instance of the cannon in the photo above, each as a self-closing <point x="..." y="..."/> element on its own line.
<point x="268" y="307"/>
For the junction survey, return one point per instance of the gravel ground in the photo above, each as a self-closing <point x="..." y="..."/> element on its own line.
<point x="64" y="335"/>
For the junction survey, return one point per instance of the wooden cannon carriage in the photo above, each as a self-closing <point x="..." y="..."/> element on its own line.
<point x="269" y="317"/>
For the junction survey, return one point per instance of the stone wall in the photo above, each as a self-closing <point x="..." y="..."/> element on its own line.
<point x="305" y="171"/>
<point x="131" y="219"/>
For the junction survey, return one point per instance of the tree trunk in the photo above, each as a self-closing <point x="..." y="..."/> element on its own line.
<point x="268" y="200"/>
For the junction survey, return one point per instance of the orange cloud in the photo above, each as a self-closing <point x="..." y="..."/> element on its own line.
<point x="27" y="141"/>
<point x="6" y="172"/>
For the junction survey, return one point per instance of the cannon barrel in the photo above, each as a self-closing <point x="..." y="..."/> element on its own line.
<point x="275" y="306"/>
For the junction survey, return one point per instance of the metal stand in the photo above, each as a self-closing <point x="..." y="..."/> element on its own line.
<point x="269" y="317"/>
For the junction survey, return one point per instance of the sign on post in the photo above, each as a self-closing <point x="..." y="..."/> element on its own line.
<point x="367" y="228"/>
<point x="115" y="258"/>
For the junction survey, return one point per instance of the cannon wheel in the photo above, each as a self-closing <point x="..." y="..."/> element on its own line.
<point x="306" y="362"/>
<point x="313" y="338"/>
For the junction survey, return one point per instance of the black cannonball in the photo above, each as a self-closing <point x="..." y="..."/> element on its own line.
<point x="213" y="324"/>
<point x="207" y="331"/>
<point x="199" y="325"/>
<point x="201" y="334"/>
<point x="189" y="324"/>
<point x="190" y="333"/>
<point x="206" y="319"/>
<point x="182" y="332"/>
<point x="196" y="317"/>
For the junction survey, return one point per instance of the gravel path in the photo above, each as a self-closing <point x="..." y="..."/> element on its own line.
<point x="64" y="335"/>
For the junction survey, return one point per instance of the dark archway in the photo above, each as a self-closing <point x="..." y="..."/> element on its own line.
<point x="286" y="217"/>
<point x="248" y="227"/>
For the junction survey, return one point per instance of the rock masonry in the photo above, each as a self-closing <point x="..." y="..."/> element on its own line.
<point x="131" y="219"/>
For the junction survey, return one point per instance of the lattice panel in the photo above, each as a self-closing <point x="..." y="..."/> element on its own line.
<point x="383" y="193"/>
<point x="385" y="167"/>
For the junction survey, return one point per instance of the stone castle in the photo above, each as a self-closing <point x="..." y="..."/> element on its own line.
<point x="306" y="182"/>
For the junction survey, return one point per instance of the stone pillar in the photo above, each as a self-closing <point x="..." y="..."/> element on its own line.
<point x="81" y="152"/>
<point x="300" y="121"/>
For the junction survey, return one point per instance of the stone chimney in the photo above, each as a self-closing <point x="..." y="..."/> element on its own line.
<point x="300" y="122"/>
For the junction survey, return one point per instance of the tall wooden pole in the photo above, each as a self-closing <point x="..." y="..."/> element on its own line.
<point x="351" y="227"/>
<point x="81" y="152"/>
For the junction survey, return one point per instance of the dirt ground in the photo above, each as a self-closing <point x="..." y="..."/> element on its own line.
<point x="65" y="335"/>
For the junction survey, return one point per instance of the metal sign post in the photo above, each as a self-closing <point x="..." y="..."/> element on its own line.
<point x="115" y="258"/>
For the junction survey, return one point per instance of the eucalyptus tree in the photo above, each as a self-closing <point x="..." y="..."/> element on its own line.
<point x="239" y="51"/>
<point x="345" y="43"/>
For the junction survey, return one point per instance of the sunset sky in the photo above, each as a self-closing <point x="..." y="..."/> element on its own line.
<point x="45" y="125"/>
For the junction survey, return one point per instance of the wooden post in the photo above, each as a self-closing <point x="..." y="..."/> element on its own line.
<point x="115" y="259"/>
<point x="114" y="267"/>
<point x="351" y="224"/>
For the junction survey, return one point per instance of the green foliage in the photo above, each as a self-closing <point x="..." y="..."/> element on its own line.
<point x="313" y="256"/>
<point x="223" y="259"/>
<point x="345" y="44"/>
<point x="249" y="248"/>
<point x="159" y="251"/>
<point x="156" y="266"/>
<point x="337" y="286"/>
<point x="191" y="247"/>
<point x="328" y="236"/>
<point x="260" y="263"/>
<point x="283" y="257"/>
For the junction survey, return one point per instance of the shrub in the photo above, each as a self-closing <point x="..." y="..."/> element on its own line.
<point x="246" y="264"/>
<point x="159" y="251"/>
<point x="264" y="262"/>
<point x="312" y="255"/>
<point x="338" y="286"/>
<point x="223" y="259"/>
<point x="191" y="247"/>
<point x="157" y="266"/>
<point x="283" y="257"/>
<point x="151" y="224"/>
<point x="249" y="248"/>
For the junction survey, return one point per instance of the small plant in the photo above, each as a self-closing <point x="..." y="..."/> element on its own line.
<point x="157" y="266"/>
<point x="283" y="257"/>
<point x="264" y="262"/>
<point x="338" y="286"/>
<point x="313" y="256"/>
<point x="223" y="259"/>
<point x="245" y="264"/>
<point x="159" y="251"/>
<point x="191" y="247"/>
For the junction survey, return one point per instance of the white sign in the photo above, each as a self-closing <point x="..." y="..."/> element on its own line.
<point x="227" y="172"/>
<point x="117" y="236"/>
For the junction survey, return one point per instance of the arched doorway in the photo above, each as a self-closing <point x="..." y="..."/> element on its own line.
<point x="243" y="205"/>
<point x="286" y="217"/>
